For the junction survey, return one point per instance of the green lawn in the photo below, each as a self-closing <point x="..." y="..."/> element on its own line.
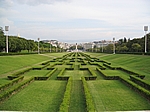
<point x="45" y="96"/>
<point x="36" y="73"/>
<point x="11" y="63"/>
<point x="112" y="95"/>
<point x="76" y="74"/>
<point x="77" y="103"/>
<point x="108" y="95"/>
<point x="136" y="63"/>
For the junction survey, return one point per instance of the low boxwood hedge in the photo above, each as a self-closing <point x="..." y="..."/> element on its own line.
<point x="145" y="93"/>
<point x="92" y="72"/>
<point x="131" y="72"/>
<point x="140" y="82"/>
<point x="14" y="81"/>
<point x="45" y="63"/>
<point x="89" y="100"/>
<point x="14" y="89"/>
<point x="41" y="78"/>
<point x="51" y="72"/>
<point x="64" y="107"/>
<point x="21" y="72"/>
<point x="107" y="77"/>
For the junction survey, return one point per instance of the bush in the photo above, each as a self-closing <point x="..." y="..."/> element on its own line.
<point x="131" y="72"/>
<point x="60" y="75"/>
<point x="92" y="72"/>
<point x="8" y="54"/>
<point x="21" y="72"/>
<point x="45" y="63"/>
<point x="15" y="89"/>
<point x="64" y="107"/>
<point x="14" y="81"/>
<point x="41" y="78"/>
<point x="51" y="72"/>
<point x="61" y="72"/>
<point x="140" y="82"/>
<point x="136" y="88"/>
<point x="89" y="100"/>
<point x="106" y="76"/>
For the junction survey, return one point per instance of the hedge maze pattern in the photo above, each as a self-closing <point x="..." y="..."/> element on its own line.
<point x="66" y="68"/>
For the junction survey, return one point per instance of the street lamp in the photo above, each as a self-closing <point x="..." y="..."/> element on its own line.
<point x="6" y="29"/>
<point x="50" y="46"/>
<point x="114" y="45"/>
<point x="145" y="29"/>
<point x="38" y="46"/>
<point x="102" y="45"/>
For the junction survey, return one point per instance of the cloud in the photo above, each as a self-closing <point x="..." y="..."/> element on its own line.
<point x="72" y="20"/>
<point x="39" y="2"/>
<point x="6" y="4"/>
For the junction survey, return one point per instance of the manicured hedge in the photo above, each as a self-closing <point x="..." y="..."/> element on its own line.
<point x="64" y="107"/>
<point x="40" y="67"/>
<point x="41" y="78"/>
<point x="140" y="82"/>
<point x="14" y="81"/>
<point x="51" y="72"/>
<point x="69" y="68"/>
<point x="131" y="72"/>
<point x="107" y="77"/>
<point x="21" y="72"/>
<point x="83" y="68"/>
<point x="8" y="54"/>
<point x="97" y="64"/>
<point x="92" y="72"/>
<point x="90" y="78"/>
<point x="14" y="89"/>
<point x="109" y="66"/>
<point x="52" y="65"/>
<point x="61" y="72"/>
<point x="89" y="100"/>
<point x="145" y="93"/>
<point x="45" y="63"/>
<point x="60" y="75"/>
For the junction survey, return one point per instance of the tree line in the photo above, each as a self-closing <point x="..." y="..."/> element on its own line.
<point x="125" y="45"/>
<point x="19" y="44"/>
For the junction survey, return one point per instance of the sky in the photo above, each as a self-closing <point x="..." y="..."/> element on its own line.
<point x="75" y="20"/>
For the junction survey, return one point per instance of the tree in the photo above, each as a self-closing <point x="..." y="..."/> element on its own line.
<point x="1" y="32"/>
<point x="109" y="48"/>
<point x="125" y="40"/>
<point x="136" y="47"/>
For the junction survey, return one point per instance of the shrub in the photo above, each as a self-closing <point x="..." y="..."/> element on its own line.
<point x="131" y="72"/>
<point x="41" y="78"/>
<point x="136" y="88"/>
<point x="64" y="107"/>
<point x="15" y="89"/>
<point x="45" y="63"/>
<point x="92" y="72"/>
<point x="51" y="72"/>
<point x="106" y="76"/>
<point x="140" y="82"/>
<point x="89" y="100"/>
<point x="14" y="81"/>
<point x="21" y="72"/>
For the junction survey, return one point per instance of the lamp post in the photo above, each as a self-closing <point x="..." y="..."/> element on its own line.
<point x="38" y="46"/>
<point x="6" y="29"/>
<point x="145" y="29"/>
<point x="114" y="45"/>
<point x="50" y="46"/>
<point x="102" y="45"/>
